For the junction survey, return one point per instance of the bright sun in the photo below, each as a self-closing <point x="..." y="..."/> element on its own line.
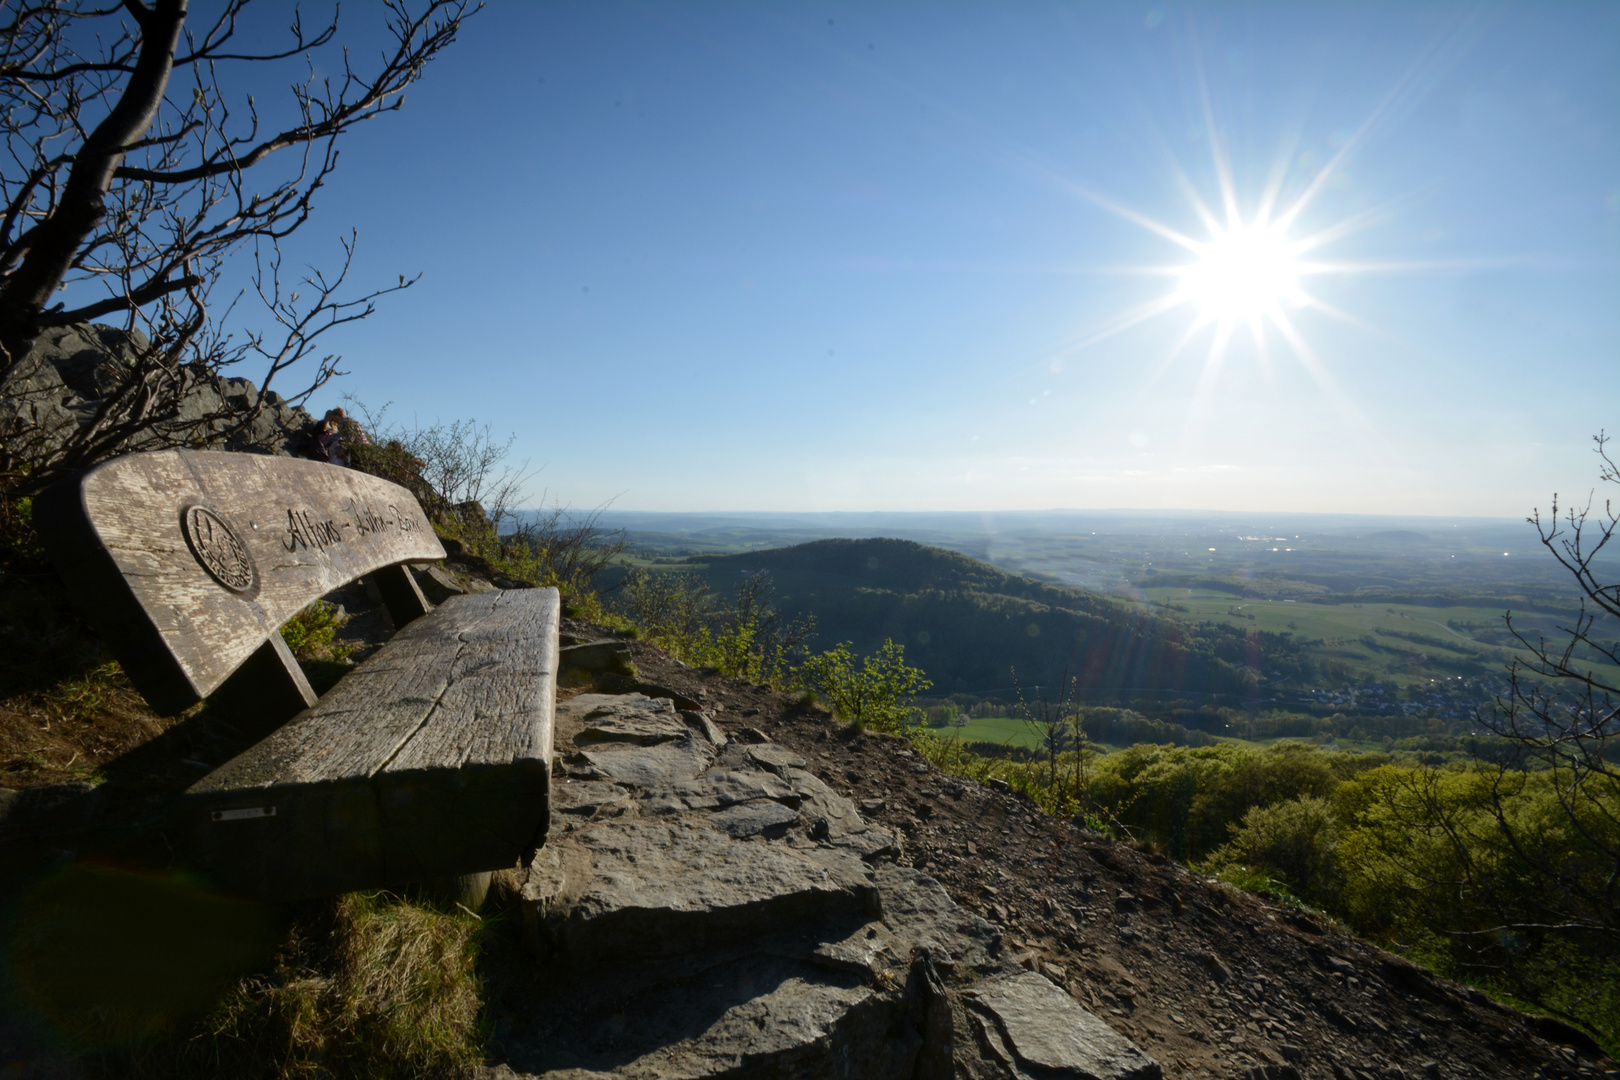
<point x="1246" y="269"/>
<point x="1242" y="273"/>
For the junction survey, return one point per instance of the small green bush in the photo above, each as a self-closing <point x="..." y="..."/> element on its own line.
<point x="877" y="696"/>
<point x="744" y="637"/>
<point x="1297" y="841"/>
<point x="310" y="633"/>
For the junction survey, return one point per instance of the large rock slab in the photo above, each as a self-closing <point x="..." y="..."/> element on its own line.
<point x="759" y="1017"/>
<point x="918" y="911"/>
<point x="754" y="818"/>
<point x="645" y="767"/>
<point x="573" y="713"/>
<point x="592" y="798"/>
<point x="1041" y="1032"/>
<point x="831" y="815"/>
<point x="642" y="730"/>
<point x="720" y="788"/>
<point x="631" y="718"/>
<point x="706" y="908"/>
<point x="59" y="386"/>
<point x="641" y="889"/>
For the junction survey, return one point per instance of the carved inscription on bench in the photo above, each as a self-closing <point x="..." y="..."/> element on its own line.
<point x="215" y="551"/>
<point x="308" y="529"/>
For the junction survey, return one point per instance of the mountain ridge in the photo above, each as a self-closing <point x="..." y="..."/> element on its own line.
<point x="974" y="627"/>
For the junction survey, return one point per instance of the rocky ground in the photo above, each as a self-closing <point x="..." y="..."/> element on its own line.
<point x="1208" y="981"/>
<point x="736" y="885"/>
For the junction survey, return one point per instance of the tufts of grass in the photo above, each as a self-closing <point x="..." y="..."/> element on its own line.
<point x="67" y="731"/>
<point x="368" y="986"/>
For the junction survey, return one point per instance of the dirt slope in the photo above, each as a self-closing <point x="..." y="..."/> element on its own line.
<point x="1210" y="981"/>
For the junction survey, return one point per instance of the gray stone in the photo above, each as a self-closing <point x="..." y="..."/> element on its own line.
<point x="642" y="729"/>
<point x="778" y="759"/>
<point x="61" y="384"/>
<point x="709" y="908"/>
<point x="437" y="583"/>
<point x="752" y="818"/>
<point x="701" y="724"/>
<point x="609" y="655"/>
<point x="92" y="360"/>
<point x="34" y="400"/>
<point x="649" y="767"/>
<point x="200" y="403"/>
<point x="1041" y="1031"/>
<point x="821" y="803"/>
<point x="239" y="393"/>
<point x="917" y="909"/>
<point x="591" y="798"/>
<point x="871" y="951"/>
<point x="872" y="845"/>
<point x="756" y="1017"/>
<point x="719" y="788"/>
<point x="800" y="1027"/>
<point x="574" y="711"/>
<point x="641" y="888"/>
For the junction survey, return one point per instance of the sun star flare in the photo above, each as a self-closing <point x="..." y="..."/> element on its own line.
<point x="1243" y="273"/>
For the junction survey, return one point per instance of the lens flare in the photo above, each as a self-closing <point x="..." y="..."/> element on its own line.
<point x="1242" y="273"/>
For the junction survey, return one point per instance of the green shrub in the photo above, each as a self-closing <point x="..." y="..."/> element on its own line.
<point x="1296" y="841"/>
<point x="877" y="696"/>
<point x="744" y="636"/>
<point x="309" y="634"/>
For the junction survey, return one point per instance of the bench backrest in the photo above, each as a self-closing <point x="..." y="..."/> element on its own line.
<point x="188" y="562"/>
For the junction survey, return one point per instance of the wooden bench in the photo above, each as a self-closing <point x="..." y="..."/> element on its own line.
<point x="430" y="760"/>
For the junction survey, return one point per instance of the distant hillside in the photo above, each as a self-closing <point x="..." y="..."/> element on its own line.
<point x="971" y="626"/>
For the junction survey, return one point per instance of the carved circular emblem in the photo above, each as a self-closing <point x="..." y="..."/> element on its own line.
<point x="219" y="550"/>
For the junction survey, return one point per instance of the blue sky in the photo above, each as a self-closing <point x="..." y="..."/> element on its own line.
<point x="794" y="256"/>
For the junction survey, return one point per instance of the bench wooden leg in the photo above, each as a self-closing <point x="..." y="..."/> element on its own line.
<point x="266" y="691"/>
<point x="468" y="891"/>
<point x="401" y="595"/>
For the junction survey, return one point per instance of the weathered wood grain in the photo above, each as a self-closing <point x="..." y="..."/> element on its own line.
<point x="432" y="759"/>
<point x="187" y="561"/>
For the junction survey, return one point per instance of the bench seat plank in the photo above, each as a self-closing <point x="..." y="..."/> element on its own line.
<point x="432" y="759"/>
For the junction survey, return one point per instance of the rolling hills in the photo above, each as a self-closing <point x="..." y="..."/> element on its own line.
<point x="977" y="629"/>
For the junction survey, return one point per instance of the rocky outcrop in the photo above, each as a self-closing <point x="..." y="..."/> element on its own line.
<point x="1037" y="1030"/>
<point x="707" y="907"/>
<point x="60" y="385"/>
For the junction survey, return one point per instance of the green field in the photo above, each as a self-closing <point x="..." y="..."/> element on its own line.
<point x="1001" y="730"/>
<point x="1406" y="643"/>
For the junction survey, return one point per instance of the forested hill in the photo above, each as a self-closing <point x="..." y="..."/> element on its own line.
<point x="976" y="629"/>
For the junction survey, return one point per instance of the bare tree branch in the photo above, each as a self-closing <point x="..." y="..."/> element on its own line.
<point x="127" y="192"/>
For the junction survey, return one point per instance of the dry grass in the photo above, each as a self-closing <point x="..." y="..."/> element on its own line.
<point x="367" y="986"/>
<point x="66" y="709"/>
<point x="67" y="732"/>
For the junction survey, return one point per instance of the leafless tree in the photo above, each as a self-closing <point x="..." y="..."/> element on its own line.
<point x="571" y="547"/>
<point x="1560" y="718"/>
<point x="134" y="169"/>
<point x="456" y="464"/>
